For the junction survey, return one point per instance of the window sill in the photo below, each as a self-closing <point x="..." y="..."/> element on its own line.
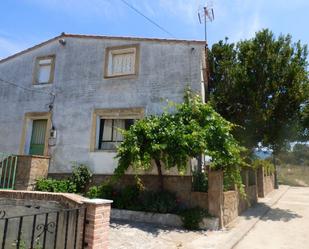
<point x="42" y="84"/>
<point x="108" y="151"/>
<point x="122" y="76"/>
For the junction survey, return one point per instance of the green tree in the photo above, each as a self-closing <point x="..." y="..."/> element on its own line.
<point x="261" y="85"/>
<point x="170" y="139"/>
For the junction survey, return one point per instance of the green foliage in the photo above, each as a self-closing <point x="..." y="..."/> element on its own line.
<point x="76" y="183"/>
<point x="159" y="202"/>
<point x="53" y="185"/>
<point x="261" y="85"/>
<point x="103" y="191"/>
<point x="81" y="177"/>
<point x="192" y="217"/>
<point x="200" y="181"/>
<point x="135" y="198"/>
<point x="269" y="168"/>
<point x="172" y="138"/>
<point x="127" y="198"/>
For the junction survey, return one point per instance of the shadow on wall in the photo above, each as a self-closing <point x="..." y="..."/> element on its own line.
<point x="274" y="214"/>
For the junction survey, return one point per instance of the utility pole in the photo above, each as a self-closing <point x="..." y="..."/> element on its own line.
<point x="206" y="14"/>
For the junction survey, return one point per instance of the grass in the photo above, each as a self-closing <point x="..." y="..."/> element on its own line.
<point x="293" y="175"/>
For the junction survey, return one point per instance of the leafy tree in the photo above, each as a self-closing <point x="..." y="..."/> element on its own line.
<point x="261" y="85"/>
<point x="170" y="139"/>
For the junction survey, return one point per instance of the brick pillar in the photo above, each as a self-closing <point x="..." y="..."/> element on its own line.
<point x="97" y="223"/>
<point x="215" y="194"/>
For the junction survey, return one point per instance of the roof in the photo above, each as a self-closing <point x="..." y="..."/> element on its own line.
<point x="126" y="38"/>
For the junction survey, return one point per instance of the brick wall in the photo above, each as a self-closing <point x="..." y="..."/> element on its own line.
<point x="97" y="214"/>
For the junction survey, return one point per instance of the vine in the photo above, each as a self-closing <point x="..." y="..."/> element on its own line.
<point x="170" y="139"/>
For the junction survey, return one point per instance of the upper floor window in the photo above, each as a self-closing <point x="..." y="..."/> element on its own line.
<point x="44" y="70"/>
<point x="121" y="61"/>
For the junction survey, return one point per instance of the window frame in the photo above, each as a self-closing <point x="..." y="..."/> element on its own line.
<point x="37" y="68"/>
<point x="121" y="50"/>
<point x="113" y="127"/>
<point x="115" y="113"/>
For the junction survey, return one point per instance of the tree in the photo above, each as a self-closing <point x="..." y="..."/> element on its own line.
<point x="170" y="139"/>
<point x="261" y="85"/>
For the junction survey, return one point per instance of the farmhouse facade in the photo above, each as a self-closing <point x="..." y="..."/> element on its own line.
<point x="67" y="97"/>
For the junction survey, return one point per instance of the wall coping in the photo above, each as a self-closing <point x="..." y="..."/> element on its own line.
<point x="38" y="195"/>
<point x="34" y="156"/>
<point x="97" y="201"/>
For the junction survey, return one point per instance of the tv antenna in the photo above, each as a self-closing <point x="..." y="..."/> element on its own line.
<point x="206" y="14"/>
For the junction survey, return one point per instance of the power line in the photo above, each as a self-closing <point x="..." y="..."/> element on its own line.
<point x="24" y="88"/>
<point x="146" y="17"/>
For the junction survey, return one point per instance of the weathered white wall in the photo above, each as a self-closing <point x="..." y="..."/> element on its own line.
<point x="166" y="68"/>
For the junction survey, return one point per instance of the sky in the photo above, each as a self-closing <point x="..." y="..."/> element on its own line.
<point x="24" y="23"/>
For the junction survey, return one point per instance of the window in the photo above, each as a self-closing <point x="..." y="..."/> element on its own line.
<point x="121" y="61"/>
<point x="44" y="72"/>
<point x="106" y="125"/>
<point x="110" y="132"/>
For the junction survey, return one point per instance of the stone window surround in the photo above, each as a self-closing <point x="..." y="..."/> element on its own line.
<point x="36" y="69"/>
<point x="28" y="118"/>
<point x="108" y="50"/>
<point x="111" y="113"/>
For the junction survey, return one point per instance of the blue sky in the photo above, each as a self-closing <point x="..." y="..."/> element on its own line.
<point x="25" y="23"/>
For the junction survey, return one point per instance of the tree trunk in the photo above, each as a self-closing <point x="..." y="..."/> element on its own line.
<point x="159" y="168"/>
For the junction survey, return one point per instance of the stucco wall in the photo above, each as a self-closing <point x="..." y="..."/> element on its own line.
<point x="166" y="68"/>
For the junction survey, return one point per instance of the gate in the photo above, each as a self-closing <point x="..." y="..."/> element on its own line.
<point x="8" y="164"/>
<point x="59" y="229"/>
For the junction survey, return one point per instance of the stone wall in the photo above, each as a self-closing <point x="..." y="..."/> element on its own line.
<point x="180" y="185"/>
<point x="266" y="182"/>
<point x="29" y="169"/>
<point x="230" y="206"/>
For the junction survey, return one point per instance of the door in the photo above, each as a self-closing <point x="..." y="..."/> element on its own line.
<point x="37" y="143"/>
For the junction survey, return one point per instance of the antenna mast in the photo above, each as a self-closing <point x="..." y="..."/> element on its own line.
<point x="206" y="14"/>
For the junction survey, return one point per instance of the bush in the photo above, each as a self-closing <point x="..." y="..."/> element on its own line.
<point x="158" y="202"/>
<point x="76" y="183"/>
<point x="268" y="167"/>
<point x="192" y="217"/>
<point x="200" y="181"/>
<point x="52" y="185"/>
<point x="81" y="177"/>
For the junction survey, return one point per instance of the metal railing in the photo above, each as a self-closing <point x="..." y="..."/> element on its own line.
<point x="8" y="165"/>
<point x="59" y="229"/>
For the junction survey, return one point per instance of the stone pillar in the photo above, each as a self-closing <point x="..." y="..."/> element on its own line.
<point x="97" y="223"/>
<point x="215" y="195"/>
<point x="29" y="169"/>
<point x="260" y="182"/>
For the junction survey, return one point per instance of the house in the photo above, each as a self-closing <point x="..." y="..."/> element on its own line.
<point x="67" y="97"/>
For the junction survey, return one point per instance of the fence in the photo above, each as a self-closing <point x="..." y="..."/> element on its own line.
<point x="8" y="165"/>
<point x="59" y="229"/>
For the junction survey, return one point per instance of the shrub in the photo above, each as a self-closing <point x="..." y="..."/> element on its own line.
<point x="103" y="191"/>
<point x="192" y="217"/>
<point x="127" y="198"/>
<point x="200" y="181"/>
<point x="76" y="183"/>
<point x="268" y="167"/>
<point x="160" y="202"/>
<point x="81" y="177"/>
<point x="52" y="185"/>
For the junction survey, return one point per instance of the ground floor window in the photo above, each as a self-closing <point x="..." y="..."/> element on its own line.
<point x="110" y="132"/>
